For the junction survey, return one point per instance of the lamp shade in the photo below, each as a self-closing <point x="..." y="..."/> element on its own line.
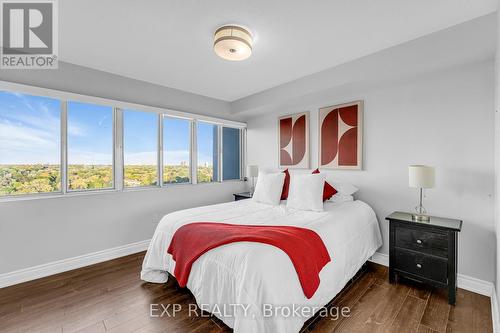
<point x="421" y="176"/>
<point x="252" y="171"/>
<point x="233" y="42"/>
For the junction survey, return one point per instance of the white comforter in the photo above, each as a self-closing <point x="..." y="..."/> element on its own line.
<point x="258" y="276"/>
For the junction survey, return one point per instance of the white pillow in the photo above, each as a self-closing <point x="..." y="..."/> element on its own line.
<point x="340" y="197"/>
<point x="306" y="192"/>
<point x="268" y="188"/>
<point x="344" y="188"/>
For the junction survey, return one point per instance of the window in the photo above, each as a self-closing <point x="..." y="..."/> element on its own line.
<point x="140" y="148"/>
<point x="90" y="146"/>
<point x="73" y="143"/>
<point x="207" y="152"/>
<point x="231" y="153"/>
<point x="30" y="138"/>
<point x="176" y="150"/>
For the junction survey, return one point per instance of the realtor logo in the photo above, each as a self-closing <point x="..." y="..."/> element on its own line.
<point x="29" y="34"/>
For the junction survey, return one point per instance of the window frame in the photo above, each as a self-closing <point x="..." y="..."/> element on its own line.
<point x="117" y="138"/>
<point x="121" y="150"/>
<point x="219" y="152"/>
<point x="242" y="136"/>
<point x="190" y="175"/>
<point x="61" y="159"/>
<point x="118" y="145"/>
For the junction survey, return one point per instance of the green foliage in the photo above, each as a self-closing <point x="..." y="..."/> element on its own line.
<point x="140" y="175"/>
<point x="22" y="179"/>
<point x="44" y="178"/>
<point x="205" y="174"/>
<point x="175" y="174"/>
<point x="88" y="177"/>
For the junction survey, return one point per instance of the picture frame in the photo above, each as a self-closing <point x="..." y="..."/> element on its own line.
<point x="294" y="141"/>
<point x="340" y="136"/>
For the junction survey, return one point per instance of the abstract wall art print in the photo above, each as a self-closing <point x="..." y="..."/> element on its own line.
<point x="340" y="136"/>
<point x="293" y="136"/>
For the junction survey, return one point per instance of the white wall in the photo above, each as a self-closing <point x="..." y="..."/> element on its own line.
<point x="91" y="82"/>
<point x="39" y="231"/>
<point x="444" y="119"/>
<point x="35" y="232"/>
<point x="497" y="163"/>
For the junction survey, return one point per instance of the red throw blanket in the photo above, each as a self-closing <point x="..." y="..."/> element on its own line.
<point x="303" y="246"/>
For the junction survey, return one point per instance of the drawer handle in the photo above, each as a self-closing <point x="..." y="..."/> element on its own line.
<point x="419" y="241"/>
<point x="419" y="266"/>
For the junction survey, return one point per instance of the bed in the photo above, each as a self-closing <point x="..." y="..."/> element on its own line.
<point x="260" y="277"/>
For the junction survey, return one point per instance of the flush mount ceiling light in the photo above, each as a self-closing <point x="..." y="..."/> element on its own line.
<point x="232" y="42"/>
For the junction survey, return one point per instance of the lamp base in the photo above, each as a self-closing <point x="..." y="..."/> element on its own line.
<point x="421" y="217"/>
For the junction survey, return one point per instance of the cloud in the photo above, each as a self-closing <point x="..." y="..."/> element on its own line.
<point x="42" y="119"/>
<point x="150" y="157"/>
<point x="14" y="93"/>
<point x="41" y="115"/>
<point x="147" y="157"/>
<point x="19" y="145"/>
<point x="90" y="158"/>
<point x="204" y="158"/>
<point x="176" y="156"/>
<point x="13" y="136"/>
<point x="30" y="133"/>
<point x="28" y="157"/>
<point x="75" y="129"/>
<point x="30" y="130"/>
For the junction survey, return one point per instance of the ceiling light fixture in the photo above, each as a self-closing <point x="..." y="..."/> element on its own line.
<point x="232" y="42"/>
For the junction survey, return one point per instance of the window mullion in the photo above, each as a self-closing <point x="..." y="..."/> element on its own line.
<point x="243" y="152"/>
<point x="221" y="157"/>
<point x="219" y="152"/>
<point x="194" y="153"/>
<point x="85" y="166"/>
<point x="64" y="147"/>
<point x="118" y="168"/>
<point x="160" y="150"/>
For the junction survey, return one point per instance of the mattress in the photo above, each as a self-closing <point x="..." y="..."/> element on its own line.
<point x="253" y="287"/>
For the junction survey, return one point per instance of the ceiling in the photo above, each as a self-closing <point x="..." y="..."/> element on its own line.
<point x="463" y="44"/>
<point x="169" y="42"/>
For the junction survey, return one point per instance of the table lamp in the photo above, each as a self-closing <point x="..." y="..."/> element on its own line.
<point x="421" y="176"/>
<point x="252" y="172"/>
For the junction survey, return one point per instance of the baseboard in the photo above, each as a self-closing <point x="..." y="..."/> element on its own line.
<point x="380" y="258"/>
<point x="477" y="286"/>
<point x="7" y="279"/>
<point x="464" y="281"/>
<point x="36" y="272"/>
<point x="495" y="316"/>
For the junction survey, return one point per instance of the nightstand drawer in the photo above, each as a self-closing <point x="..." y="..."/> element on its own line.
<point x="429" y="242"/>
<point x="422" y="265"/>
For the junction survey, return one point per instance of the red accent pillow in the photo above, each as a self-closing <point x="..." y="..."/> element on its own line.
<point x="286" y="185"/>
<point x="328" y="190"/>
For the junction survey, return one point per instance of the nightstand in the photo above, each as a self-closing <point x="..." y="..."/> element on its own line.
<point x="242" y="196"/>
<point x="424" y="251"/>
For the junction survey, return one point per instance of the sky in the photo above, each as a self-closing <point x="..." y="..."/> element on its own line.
<point x="205" y="136"/>
<point x="30" y="133"/>
<point x="29" y="129"/>
<point x="92" y="141"/>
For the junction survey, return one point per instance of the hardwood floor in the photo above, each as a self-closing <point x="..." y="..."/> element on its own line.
<point x="110" y="297"/>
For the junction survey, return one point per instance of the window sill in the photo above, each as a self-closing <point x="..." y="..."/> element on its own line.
<point x="58" y="195"/>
